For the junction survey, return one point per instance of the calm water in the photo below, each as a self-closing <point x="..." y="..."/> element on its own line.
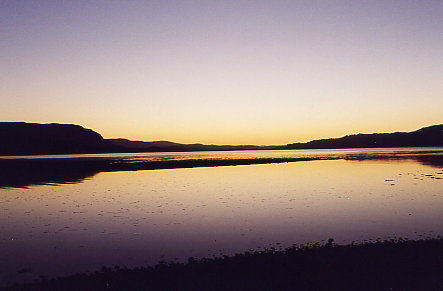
<point x="225" y="154"/>
<point x="142" y="217"/>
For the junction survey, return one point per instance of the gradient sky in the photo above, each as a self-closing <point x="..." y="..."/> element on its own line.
<point x="223" y="72"/>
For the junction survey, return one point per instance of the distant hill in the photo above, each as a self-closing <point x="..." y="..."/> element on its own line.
<point x="167" y="146"/>
<point x="142" y="144"/>
<point x="426" y="137"/>
<point x="21" y="138"/>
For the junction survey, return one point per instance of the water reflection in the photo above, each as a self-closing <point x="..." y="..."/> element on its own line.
<point x="44" y="170"/>
<point x="138" y="218"/>
<point x="25" y="173"/>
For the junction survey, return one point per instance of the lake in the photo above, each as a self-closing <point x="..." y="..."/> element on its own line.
<point x="139" y="218"/>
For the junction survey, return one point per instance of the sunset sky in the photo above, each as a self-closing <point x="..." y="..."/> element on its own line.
<point x="223" y="72"/>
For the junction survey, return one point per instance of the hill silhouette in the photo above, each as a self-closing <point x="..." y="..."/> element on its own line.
<point x="21" y="138"/>
<point x="167" y="146"/>
<point x="431" y="136"/>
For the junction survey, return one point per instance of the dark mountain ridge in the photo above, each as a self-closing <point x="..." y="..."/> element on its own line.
<point x="21" y="138"/>
<point x="167" y="146"/>
<point x="431" y="136"/>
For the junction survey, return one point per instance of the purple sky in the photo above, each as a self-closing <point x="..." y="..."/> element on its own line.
<point x="256" y="72"/>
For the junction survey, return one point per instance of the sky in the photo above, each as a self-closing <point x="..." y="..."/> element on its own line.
<point x="223" y="72"/>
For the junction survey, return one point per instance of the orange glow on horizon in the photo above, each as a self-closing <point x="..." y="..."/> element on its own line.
<point x="224" y="72"/>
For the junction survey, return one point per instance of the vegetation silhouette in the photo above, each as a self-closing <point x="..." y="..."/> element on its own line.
<point x="394" y="264"/>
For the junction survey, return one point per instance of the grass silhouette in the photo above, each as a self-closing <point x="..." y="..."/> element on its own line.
<point x="395" y="264"/>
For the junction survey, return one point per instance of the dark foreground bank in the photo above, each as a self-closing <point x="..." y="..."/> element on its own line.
<point x="396" y="264"/>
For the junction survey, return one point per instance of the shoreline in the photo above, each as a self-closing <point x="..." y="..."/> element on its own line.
<point x="393" y="264"/>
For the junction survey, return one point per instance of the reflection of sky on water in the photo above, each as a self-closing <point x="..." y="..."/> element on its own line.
<point x="27" y="171"/>
<point x="224" y="154"/>
<point x="138" y="218"/>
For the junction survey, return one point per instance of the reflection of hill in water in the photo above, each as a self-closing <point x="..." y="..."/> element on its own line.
<point x="433" y="161"/>
<point x="21" y="173"/>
